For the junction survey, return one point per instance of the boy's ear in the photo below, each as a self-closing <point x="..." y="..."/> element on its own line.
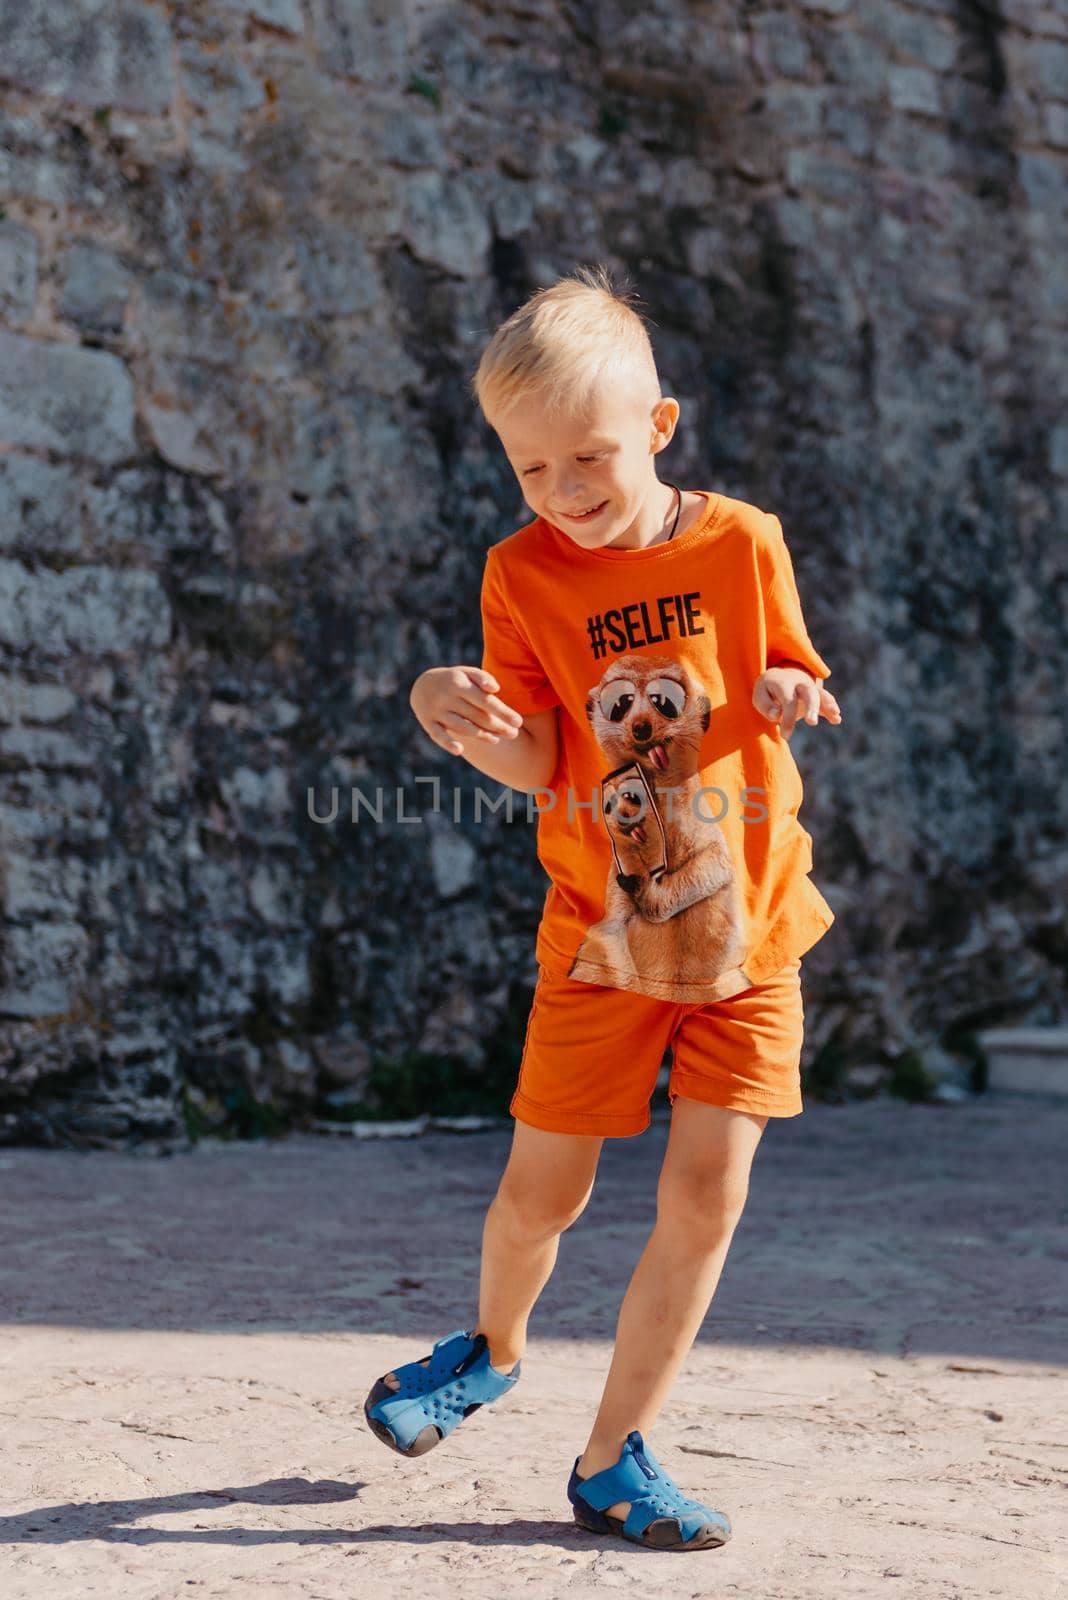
<point x="665" y="417"/>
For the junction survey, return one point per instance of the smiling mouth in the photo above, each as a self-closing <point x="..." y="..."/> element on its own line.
<point x="585" y="516"/>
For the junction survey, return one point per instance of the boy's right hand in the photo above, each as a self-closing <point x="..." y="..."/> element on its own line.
<point x="453" y="704"/>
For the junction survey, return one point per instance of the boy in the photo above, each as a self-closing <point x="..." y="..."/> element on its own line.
<point x="638" y="642"/>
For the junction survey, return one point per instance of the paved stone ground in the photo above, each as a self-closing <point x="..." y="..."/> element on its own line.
<point x="878" y="1397"/>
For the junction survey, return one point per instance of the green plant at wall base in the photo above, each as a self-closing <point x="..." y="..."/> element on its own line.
<point x="418" y="1082"/>
<point x="196" y="1124"/>
<point x="234" y="1115"/>
<point x="909" y="1078"/>
<point x="417" y="84"/>
<point x="825" y="1076"/>
<point x="251" y="1118"/>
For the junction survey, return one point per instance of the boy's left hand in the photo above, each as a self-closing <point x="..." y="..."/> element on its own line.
<point x="782" y="694"/>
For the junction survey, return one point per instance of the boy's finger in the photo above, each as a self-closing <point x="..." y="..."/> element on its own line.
<point x="466" y="729"/>
<point x="789" y="711"/>
<point x="810" y="697"/>
<point x="501" y="717"/>
<point x="490" y="688"/>
<point x="503" y="710"/>
<point x="828" y="706"/>
<point x="804" y="702"/>
<point x="765" y="701"/>
<point x="442" y="736"/>
<point x="489" y="685"/>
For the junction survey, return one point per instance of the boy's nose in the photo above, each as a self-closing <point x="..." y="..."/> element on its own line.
<point x="567" y="492"/>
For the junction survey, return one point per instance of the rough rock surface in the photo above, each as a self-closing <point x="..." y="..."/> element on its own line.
<point x="249" y="253"/>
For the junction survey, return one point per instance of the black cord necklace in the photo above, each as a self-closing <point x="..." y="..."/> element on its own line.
<point x="678" y="511"/>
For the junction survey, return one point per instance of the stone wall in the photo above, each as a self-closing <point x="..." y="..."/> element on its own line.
<point x="249" y="253"/>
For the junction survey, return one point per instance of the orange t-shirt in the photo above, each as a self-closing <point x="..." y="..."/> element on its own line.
<point x="678" y="866"/>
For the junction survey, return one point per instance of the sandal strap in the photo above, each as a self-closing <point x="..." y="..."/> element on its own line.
<point x="623" y="1481"/>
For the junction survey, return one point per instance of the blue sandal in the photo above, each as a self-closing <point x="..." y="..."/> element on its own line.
<point x="661" y="1517"/>
<point x="436" y="1393"/>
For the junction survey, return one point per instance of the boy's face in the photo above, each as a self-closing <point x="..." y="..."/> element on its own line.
<point x="600" y="461"/>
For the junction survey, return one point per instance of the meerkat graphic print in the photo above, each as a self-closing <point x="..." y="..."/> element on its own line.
<point x="669" y="830"/>
<point x="673" y="911"/>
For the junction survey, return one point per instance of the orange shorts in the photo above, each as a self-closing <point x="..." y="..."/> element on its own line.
<point x="592" y="1054"/>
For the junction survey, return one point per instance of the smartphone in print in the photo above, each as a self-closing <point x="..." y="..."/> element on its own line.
<point x="627" y="798"/>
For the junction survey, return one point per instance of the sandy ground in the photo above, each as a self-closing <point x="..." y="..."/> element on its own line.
<point x="878" y="1397"/>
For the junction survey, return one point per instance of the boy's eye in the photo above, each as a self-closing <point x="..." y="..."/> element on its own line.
<point x="597" y="457"/>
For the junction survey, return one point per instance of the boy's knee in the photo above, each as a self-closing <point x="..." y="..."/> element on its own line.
<point x="535" y="1210"/>
<point x="705" y="1206"/>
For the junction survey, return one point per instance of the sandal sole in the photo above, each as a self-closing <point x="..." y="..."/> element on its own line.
<point x="600" y="1522"/>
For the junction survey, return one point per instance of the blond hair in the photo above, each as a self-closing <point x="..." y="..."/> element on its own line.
<point x="563" y="343"/>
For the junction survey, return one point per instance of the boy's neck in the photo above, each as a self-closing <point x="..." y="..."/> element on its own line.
<point x="654" y="522"/>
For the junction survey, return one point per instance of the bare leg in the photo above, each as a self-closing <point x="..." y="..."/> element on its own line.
<point x="544" y="1188"/>
<point x="704" y="1183"/>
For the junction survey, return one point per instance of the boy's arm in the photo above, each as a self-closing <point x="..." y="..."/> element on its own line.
<point x="790" y="651"/>
<point x="526" y="762"/>
<point x="518" y="677"/>
<point x="460" y="709"/>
